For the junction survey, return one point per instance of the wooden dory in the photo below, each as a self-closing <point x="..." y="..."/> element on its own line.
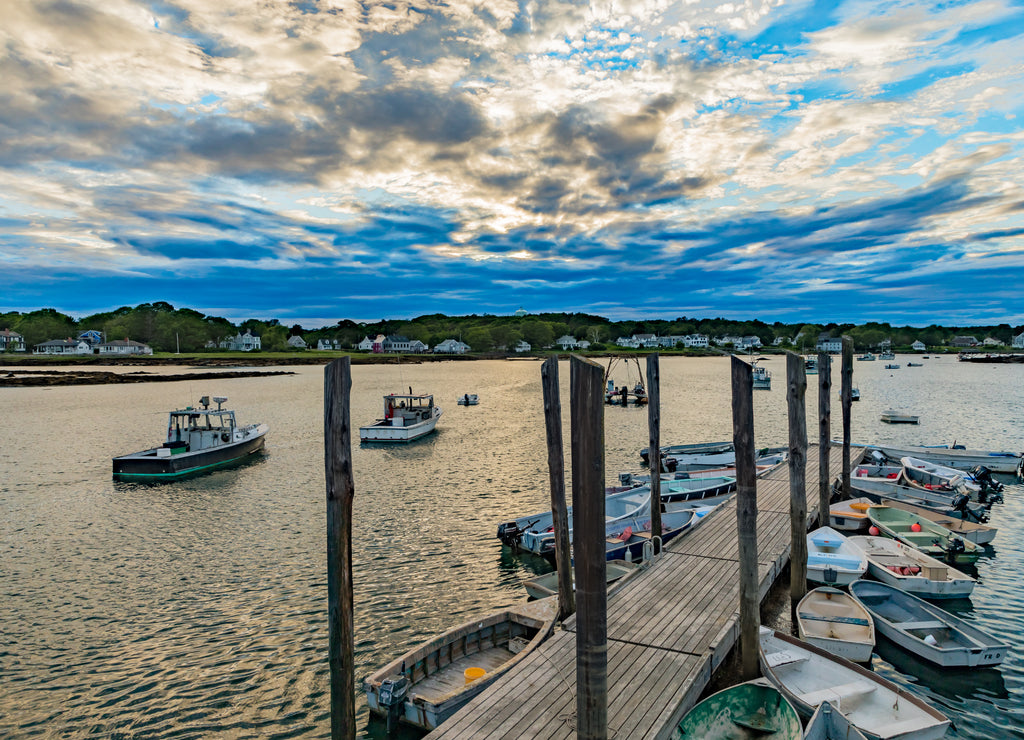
<point x="830" y="724"/>
<point x="926" y="630"/>
<point x="909" y="569"/>
<point x="755" y="710"/>
<point x="837" y="622"/>
<point x="430" y="682"/>
<point x="808" y="676"/>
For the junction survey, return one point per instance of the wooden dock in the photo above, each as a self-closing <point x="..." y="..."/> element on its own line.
<point x="669" y="627"/>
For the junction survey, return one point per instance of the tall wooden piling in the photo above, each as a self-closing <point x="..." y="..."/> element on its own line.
<point x="588" y="535"/>
<point x="654" y="445"/>
<point x="824" y="435"/>
<point x="556" y="474"/>
<point x="340" y="492"/>
<point x="746" y="514"/>
<point x="846" y="397"/>
<point x="796" y="390"/>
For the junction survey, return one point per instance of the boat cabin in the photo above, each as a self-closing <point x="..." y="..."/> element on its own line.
<point x="198" y="428"/>
<point x="407" y="409"/>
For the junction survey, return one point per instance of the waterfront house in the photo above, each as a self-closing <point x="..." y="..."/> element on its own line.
<point x="964" y="341"/>
<point x="91" y="336"/>
<point x="627" y="342"/>
<point x="566" y="342"/>
<point x="918" y="346"/>
<point x="524" y="346"/>
<point x="11" y="341"/>
<point x="366" y="345"/>
<point x="296" y="342"/>
<point x="123" y="347"/>
<point x="247" y="342"/>
<point x="991" y="342"/>
<point x="336" y="344"/>
<point x="399" y="343"/>
<point x="832" y="345"/>
<point x="451" y="347"/>
<point x="1018" y="341"/>
<point x="63" y="347"/>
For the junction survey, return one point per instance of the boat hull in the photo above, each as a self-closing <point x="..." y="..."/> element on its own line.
<point x="755" y="709"/>
<point x="147" y="465"/>
<point x="385" y="431"/>
<point x="997" y="462"/>
<point x="932" y="580"/>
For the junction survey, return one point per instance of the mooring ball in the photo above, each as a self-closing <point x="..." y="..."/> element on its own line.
<point x="915" y="527"/>
<point x="873" y="530"/>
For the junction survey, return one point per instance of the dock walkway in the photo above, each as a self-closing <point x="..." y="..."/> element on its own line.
<point x="669" y="627"/>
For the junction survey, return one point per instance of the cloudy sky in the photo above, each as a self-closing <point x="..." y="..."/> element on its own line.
<point x="324" y="159"/>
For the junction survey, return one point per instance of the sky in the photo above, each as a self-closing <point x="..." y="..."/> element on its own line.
<point x="320" y="160"/>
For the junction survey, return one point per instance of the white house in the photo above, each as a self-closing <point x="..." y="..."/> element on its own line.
<point x="296" y="342"/>
<point x="646" y="340"/>
<point x="366" y="345"/>
<point x="991" y="342"/>
<point x="628" y="342"/>
<point x="829" y="344"/>
<point x="1018" y="341"/>
<point x="11" y="341"/>
<point x="63" y="347"/>
<point x="247" y="342"/>
<point x="398" y="343"/>
<point x="523" y="346"/>
<point x="918" y="346"/>
<point x="697" y="340"/>
<point x="567" y="342"/>
<point x="336" y="344"/>
<point x="123" y="347"/>
<point x="451" y="347"/>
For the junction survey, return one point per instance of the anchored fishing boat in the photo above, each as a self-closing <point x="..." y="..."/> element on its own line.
<point x="407" y="416"/>
<point x="198" y="440"/>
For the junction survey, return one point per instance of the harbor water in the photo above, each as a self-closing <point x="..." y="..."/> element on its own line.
<point x="198" y="609"/>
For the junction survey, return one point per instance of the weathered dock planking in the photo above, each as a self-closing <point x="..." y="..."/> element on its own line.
<point x="669" y="628"/>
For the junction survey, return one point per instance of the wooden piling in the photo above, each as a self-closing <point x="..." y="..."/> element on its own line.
<point x="654" y="445"/>
<point x="824" y="435"/>
<point x="796" y="391"/>
<point x="556" y="474"/>
<point x="746" y="514"/>
<point x="588" y="534"/>
<point x="846" y="397"/>
<point x="340" y="492"/>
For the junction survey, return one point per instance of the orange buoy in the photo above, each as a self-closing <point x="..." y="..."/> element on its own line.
<point x="873" y="530"/>
<point x="915" y="527"/>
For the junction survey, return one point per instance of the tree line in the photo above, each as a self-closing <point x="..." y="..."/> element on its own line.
<point x="168" y="329"/>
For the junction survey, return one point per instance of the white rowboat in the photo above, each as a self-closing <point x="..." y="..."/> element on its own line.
<point x="835" y="621"/>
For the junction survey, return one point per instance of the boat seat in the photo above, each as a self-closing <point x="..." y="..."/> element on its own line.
<point x="859" y="621"/>
<point x="905" y="725"/>
<point x="782" y="657"/>
<point x="836" y="694"/>
<point x="927" y="624"/>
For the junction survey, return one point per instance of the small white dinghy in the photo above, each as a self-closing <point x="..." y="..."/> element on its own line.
<point x="881" y="710"/>
<point x="837" y="622"/>
<point x="831" y="559"/>
<point x="926" y="630"/>
<point x="830" y="724"/>
<point x="910" y="570"/>
<point x="851" y="515"/>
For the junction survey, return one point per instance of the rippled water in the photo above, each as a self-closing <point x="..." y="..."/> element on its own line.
<point x="198" y="609"/>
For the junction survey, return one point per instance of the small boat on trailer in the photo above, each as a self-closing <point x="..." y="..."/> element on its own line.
<point x="431" y="682"/>
<point x="754" y="710"/>
<point x="828" y="723"/>
<point x="198" y="440"/>
<point x="909" y="569"/>
<point x="835" y="621"/>
<point x="407" y="416"/>
<point x="808" y="676"/>
<point x="926" y="630"/>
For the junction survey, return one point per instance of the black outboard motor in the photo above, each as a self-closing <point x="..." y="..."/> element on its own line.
<point x="510" y="534"/>
<point x="391" y="698"/>
<point x="956" y="547"/>
<point x="670" y="464"/>
<point x="983" y="477"/>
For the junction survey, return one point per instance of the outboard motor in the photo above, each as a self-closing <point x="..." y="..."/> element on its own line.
<point x="625" y="479"/>
<point x="510" y="534"/>
<point x="671" y="464"/>
<point x="983" y="477"/>
<point x="959" y="502"/>
<point x="956" y="547"/>
<point x="879" y="457"/>
<point x="391" y="698"/>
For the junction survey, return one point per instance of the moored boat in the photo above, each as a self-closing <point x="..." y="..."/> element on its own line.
<point x="828" y="723"/>
<point x="892" y="416"/>
<point x="469" y="399"/>
<point x="831" y="559"/>
<point x="976" y="532"/>
<point x="431" y="682"/>
<point x="909" y="569"/>
<point x="926" y="630"/>
<point x="540" y="587"/>
<point x="754" y="710"/>
<point x="953" y="456"/>
<point x="407" y="417"/>
<point x="926" y="536"/>
<point x="808" y="675"/>
<point x="884" y="491"/>
<point x="700" y="448"/>
<point x="835" y="621"/>
<point x="198" y="440"/>
<point x="851" y="515"/>
<point x="761" y="377"/>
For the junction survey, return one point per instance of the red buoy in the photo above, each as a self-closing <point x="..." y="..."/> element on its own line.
<point x="873" y="530"/>
<point x="915" y="527"/>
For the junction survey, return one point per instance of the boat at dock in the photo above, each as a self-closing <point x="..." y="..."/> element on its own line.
<point x="828" y="723"/>
<point x="700" y="448"/>
<point x="948" y="504"/>
<point x="431" y="682"/>
<point x="198" y="440"/>
<point x="754" y="710"/>
<point x="926" y="536"/>
<point x="807" y="675"/>
<point x="909" y="569"/>
<point x="977" y="483"/>
<point x="407" y="417"/>
<point x="543" y="586"/>
<point x="975" y="531"/>
<point x="831" y="559"/>
<point x="952" y="456"/>
<point x="835" y="621"/>
<point x="926" y="630"/>
<point x="850" y="515"/>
